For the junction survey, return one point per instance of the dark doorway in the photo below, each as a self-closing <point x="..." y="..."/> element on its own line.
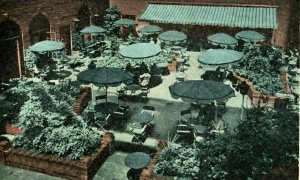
<point x="39" y="28"/>
<point x="10" y="42"/>
<point x="83" y="16"/>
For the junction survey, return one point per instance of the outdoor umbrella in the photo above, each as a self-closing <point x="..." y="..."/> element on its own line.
<point x="249" y="36"/>
<point x="47" y="46"/>
<point x="150" y="29"/>
<point x="172" y="36"/>
<point x="137" y="160"/>
<point x="201" y="91"/>
<point x="222" y="39"/>
<point x="140" y="50"/>
<point x="219" y="56"/>
<point x="92" y="30"/>
<point x="143" y="117"/>
<point x="125" y="22"/>
<point x="105" y="76"/>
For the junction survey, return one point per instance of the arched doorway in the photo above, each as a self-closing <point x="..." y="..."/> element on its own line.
<point x="83" y="16"/>
<point x="38" y="28"/>
<point x="10" y="47"/>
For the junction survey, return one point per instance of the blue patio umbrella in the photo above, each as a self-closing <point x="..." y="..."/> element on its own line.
<point x="143" y="117"/>
<point x="92" y="30"/>
<point x="219" y="56"/>
<point x="201" y="91"/>
<point x="140" y="50"/>
<point x="137" y="160"/>
<point x="47" y="46"/>
<point x="249" y="36"/>
<point x="125" y="22"/>
<point x="222" y="39"/>
<point x="172" y="36"/>
<point x="150" y="29"/>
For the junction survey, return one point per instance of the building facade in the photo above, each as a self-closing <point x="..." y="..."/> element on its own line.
<point x="25" y="22"/>
<point x="285" y="35"/>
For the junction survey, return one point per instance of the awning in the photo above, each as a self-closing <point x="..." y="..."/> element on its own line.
<point x="232" y="16"/>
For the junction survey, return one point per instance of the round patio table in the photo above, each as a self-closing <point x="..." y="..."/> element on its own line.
<point x="106" y="107"/>
<point x="143" y="117"/>
<point x="176" y="48"/>
<point x="137" y="160"/>
<point x="133" y="87"/>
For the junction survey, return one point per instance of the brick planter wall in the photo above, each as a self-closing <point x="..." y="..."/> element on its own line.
<point x="8" y="128"/>
<point x="147" y="173"/>
<point x="82" y="101"/>
<point x="257" y="97"/>
<point x="85" y="168"/>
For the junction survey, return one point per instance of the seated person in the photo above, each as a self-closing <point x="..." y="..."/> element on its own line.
<point x="143" y="68"/>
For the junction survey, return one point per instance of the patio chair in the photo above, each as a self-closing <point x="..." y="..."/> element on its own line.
<point x="183" y="129"/>
<point x="149" y="109"/>
<point x="121" y="114"/>
<point x="103" y="123"/>
<point x="139" y="133"/>
<point x="144" y="93"/>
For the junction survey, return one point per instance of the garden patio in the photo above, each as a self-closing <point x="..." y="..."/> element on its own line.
<point x="150" y="95"/>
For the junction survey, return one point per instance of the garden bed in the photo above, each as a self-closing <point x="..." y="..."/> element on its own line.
<point x="257" y="97"/>
<point x="147" y="173"/>
<point x="85" y="168"/>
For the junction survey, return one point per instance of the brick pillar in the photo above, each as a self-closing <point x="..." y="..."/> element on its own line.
<point x="4" y="145"/>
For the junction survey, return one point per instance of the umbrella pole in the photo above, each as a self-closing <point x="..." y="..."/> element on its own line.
<point x="106" y="87"/>
<point x="92" y="92"/>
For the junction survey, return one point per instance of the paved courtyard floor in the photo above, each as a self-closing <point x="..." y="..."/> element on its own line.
<point x="166" y="117"/>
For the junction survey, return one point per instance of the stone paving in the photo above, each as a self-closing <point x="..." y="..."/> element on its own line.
<point x="166" y="116"/>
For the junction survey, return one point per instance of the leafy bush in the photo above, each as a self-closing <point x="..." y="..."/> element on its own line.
<point x="262" y="65"/>
<point x="266" y="139"/>
<point x="50" y="126"/>
<point x="30" y="59"/>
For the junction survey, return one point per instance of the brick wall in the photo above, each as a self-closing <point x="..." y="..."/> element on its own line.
<point x="85" y="168"/>
<point x="286" y="35"/>
<point x="60" y="13"/>
<point x="8" y="128"/>
<point x="82" y="101"/>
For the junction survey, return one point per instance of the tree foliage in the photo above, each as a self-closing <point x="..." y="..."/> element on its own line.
<point x="112" y="14"/>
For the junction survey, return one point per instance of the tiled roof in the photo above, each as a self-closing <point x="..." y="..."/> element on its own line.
<point x="232" y="16"/>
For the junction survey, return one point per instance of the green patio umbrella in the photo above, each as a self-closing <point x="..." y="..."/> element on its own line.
<point x="107" y="76"/>
<point x="219" y="56"/>
<point x="249" y="36"/>
<point x="125" y="22"/>
<point x="92" y="30"/>
<point x="201" y="91"/>
<point x="140" y="51"/>
<point x="172" y="36"/>
<point x="137" y="160"/>
<point x="222" y="39"/>
<point x="150" y="29"/>
<point x="47" y="46"/>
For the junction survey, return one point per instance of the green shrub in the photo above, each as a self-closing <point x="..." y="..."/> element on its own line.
<point x="50" y="126"/>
